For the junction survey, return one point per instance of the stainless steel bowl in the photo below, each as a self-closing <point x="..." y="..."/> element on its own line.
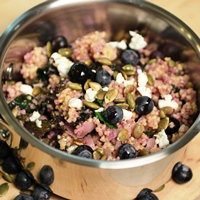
<point x="75" y="177"/>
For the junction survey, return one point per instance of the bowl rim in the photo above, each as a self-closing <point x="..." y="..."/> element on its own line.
<point x="5" y="41"/>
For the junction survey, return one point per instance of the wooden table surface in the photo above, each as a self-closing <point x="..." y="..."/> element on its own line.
<point x="188" y="12"/>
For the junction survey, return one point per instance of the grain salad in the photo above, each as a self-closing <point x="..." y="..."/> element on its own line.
<point x="103" y="99"/>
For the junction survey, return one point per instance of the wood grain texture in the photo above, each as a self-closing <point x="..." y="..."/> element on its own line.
<point x="188" y="12"/>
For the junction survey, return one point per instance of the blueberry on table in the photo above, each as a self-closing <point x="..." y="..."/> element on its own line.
<point x="46" y="175"/>
<point x="113" y="114"/>
<point x="144" y="105"/>
<point x="146" y="194"/>
<point x="59" y="42"/>
<point x="41" y="192"/>
<point x="4" y="149"/>
<point x="129" y="56"/>
<point x="79" y="73"/>
<point x="127" y="151"/>
<point x="103" y="78"/>
<point x="23" y="197"/>
<point x="172" y="129"/>
<point x="83" y="151"/>
<point x="181" y="173"/>
<point x="23" y="180"/>
<point x="10" y="165"/>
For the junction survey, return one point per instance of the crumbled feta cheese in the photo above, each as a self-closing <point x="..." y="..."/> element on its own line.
<point x="90" y="95"/>
<point x="120" y="45"/>
<point x="38" y="123"/>
<point x="120" y="80"/>
<point x="105" y="89"/>
<point x="75" y="103"/>
<point x="63" y="64"/>
<point x="162" y="139"/>
<point x="129" y="82"/>
<point x="35" y="116"/>
<point x="137" y="41"/>
<point x="100" y="110"/>
<point x="26" y="89"/>
<point x="127" y="114"/>
<point x="167" y="101"/>
<point x="144" y="91"/>
<point x="71" y="148"/>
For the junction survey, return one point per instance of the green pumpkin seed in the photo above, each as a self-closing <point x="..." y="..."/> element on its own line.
<point x="189" y="85"/>
<point x="138" y="131"/>
<point x="15" y="111"/>
<point x="104" y="61"/>
<point x="130" y="72"/>
<point x="162" y="114"/>
<point x="98" y="154"/>
<point x="143" y="152"/>
<point x="91" y="105"/>
<point x="151" y="61"/>
<point x="88" y="62"/>
<point x="36" y="91"/>
<point x="128" y="67"/>
<point x="75" y="86"/>
<point x="65" y="52"/>
<point x="111" y="95"/>
<point x="115" y="74"/>
<point x="122" y="100"/>
<point x="163" y="124"/>
<point x="122" y="105"/>
<point x="3" y="189"/>
<point x="159" y="188"/>
<point x="95" y="86"/>
<point x="101" y="94"/>
<point x="167" y="110"/>
<point x="130" y="100"/>
<point x="30" y="166"/>
<point x="122" y="135"/>
<point x="150" y="79"/>
<point x="86" y="85"/>
<point x="171" y="63"/>
<point x="124" y="74"/>
<point x="49" y="48"/>
<point x="129" y="89"/>
<point x="7" y="177"/>
<point x="28" y="192"/>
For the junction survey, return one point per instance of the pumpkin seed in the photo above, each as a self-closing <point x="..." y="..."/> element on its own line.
<point x="101" y="94"/>
<point x="91" y="105"/>
<point x="3" y="189"/>
<point x="95" y="86"/>
<point x="111" y="95"/>
<point x="124" y="74"/>
<point x="130" y="72"/>
<point x="129" y="89"/>
<point x="86" y="85"/>
<point x="7" y="177"/>
<point x="49" y="48"/>
<point x="36" y="90"/>
<point x="138" y="130"/>
<point x="30" y="166"/>
<point x="122" y="105"/>
<point x="162" y="114"/>
<point x="98" y="154"/>
<point x="128" y="67"/>
<point x="150" y="79"/>
<point x="171" y="63"/>
<point x="159" y="188"/>
<point x="65" y="52"/>
<point x="115" y="74"/>
<point x="75" y="86"/>
<point x="15" y="111"/>
<point x="88" y="62"/>
<point x="167" y="110"/>
<point x="122" y="100"/>
<point x="151" y="61"/>
<point x="28" y="192"/>
<point x="143" y="152"/>
<point x="163" y="124"/>
<point x="130" y="100"/>
<point x="104" y="157"/>
<point x="104" y="61"/>
<point x="189" y="85"/>
<point x="122" y="135"/>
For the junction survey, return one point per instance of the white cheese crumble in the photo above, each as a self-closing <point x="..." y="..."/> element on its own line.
<point x="101" y="109"/>
<point x="38" y="123"/>
<point x="62" y="63"/>
<point x="127" y="114"/>
<point x="90" y="95"/>
<point x="120" y="45"/>
<point x="26" y="89"/>
<point x="120" y="80"/>
<point x="75" y="103"/>
<point x="162" y="139"/>
<point x="105" y="89"/>
<point x="142" y="81"/>
<point x="137" y="41"/>
<point x="35" y="118"/>
<point x="167" y="101"/>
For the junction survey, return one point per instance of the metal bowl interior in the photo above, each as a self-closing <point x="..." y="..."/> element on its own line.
<point x="76" y="18"/>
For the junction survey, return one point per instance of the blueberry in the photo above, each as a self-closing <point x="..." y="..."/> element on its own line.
<point x="41" y="193"/>
<point x="79" y="73"/>
<point x="176" y="125"/>
<point x="156" y="54"/>
<point x="113" y="114"/>
<point x="130" y="57"/>
<point x="4" y="149"/>
<point x="103" y="78"/>
<point x="127" y="151"/>
<point x="181" y="173"/>
<point x="46" y="175"/>
<point x="144" y="105"/>
<point x="23" y="197"/>
<point x="10" y="165"/>
<point x="146" y="194"/>
<point x="59" y="42"/>
<point x="83" y="151"/>
<point x="23" y="180"/>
